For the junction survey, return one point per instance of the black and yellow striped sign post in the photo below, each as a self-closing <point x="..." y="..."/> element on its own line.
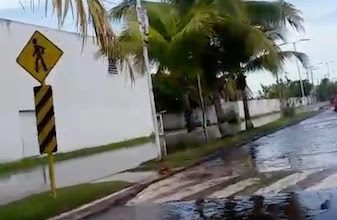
<point x="38" y="58"/>
<point x="45" y="119"/>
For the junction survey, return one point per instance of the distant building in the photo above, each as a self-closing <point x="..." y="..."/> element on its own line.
<point x="91" y="107"/>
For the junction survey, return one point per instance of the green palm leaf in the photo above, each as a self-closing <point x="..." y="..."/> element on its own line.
<point x="88" y="13"/>
<point x="274" y="64"/>
<point x="274" y="13"/>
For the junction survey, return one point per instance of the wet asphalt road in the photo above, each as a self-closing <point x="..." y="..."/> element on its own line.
<point x="282" y="206"/>
<point x="311" y="144"/>
<point x="300" y="159"/>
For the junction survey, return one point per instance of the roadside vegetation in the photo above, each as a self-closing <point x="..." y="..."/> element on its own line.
<point x="220" y="41"/>
<point x="192" y="154"/>
<point x="326" y="90"/>
<point x="29" y="163"/>
<point x="286" y="88"/>
<point x="43" y="206"/>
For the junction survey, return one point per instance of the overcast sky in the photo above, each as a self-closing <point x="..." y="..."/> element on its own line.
<point x="320" y="24"/>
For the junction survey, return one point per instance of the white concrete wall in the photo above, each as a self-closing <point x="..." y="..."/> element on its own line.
<point x="300" y="101"/>
<point x="91" y="108"/>
<point x="174" y="121"/>
<point x="28" y="132"/>
<point x="262" y="106"/>
<point x="257" y="107"/>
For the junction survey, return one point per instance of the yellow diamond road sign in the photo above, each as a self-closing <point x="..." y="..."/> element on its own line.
<point x="39" y="56"/>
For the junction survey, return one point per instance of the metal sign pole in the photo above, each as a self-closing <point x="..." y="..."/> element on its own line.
<point x="38" y="58"/>
<point x="52" y="174"/>
<point x="51" y="166"/>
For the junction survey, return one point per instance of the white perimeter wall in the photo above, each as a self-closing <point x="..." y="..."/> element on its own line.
<point x="91" y="108"/>
<point x="257" y="107"/>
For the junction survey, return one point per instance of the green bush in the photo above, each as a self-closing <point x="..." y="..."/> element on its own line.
<point x="288" y="111"/>
<point x="231" y="116"/>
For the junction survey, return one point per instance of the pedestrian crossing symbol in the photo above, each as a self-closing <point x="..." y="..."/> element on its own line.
<point x="39" y="56"/>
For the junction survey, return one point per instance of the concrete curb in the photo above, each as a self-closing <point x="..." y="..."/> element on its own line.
<point x="101" y="204"/>
<point x="117" y="198"/>
<point x="121" y="197"/>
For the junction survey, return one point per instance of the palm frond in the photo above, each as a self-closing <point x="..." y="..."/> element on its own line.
<point x="183" y="5"/>
<point x="302" y="57"/>
<point x="164" y="18"/>
<point x="88" y="13"/>
<point x="230" y="89"/>
<point x="57" y="4"/>
<point x="274" y="13"/>
<point x="275" y="34"/>
<point x="292" y="15"/>
<point x="274" y="64"/>
<point x="199" y="22"/>
<point x="234" y="8"/>
<point x="67" y="5"/>
<point x="122" y="9"/>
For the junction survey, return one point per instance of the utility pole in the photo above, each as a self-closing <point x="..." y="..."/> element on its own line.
<point x="144" y="31"/>
<point x="279" y="90"/>
<point x="299" y="72"/>
<point x="297" y="65"/>
<point x="307" y="72"/>
<point x="328" y="69"/>
<point x="311" y="69"/>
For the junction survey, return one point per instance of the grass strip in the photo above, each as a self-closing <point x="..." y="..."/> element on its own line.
<point x="43" y="205"/>
<point x="31" y="162"/>
<point x="193" y="153"/>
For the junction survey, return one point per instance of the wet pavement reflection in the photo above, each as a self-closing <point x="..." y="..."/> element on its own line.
<point x="311" y="144"/>
<point x="299" y="158"/>
<point x="292" y="206"/>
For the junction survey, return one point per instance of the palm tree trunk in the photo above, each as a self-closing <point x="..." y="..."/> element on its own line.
<point x="249" y="123"/>
<point x="188" y="113"/>
<point x="202" y="105"/>
<point x="220" y="114"/>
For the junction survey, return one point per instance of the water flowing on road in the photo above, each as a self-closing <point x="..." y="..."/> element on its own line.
<point x="298" y="158"/>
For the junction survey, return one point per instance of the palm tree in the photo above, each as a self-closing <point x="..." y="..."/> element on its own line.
<point x="245" y="40"/>
<point x="249" y="44"/>
<point x="271" y="64"/>
<point x="272" y="19"/>
<point x="222" y="40"/>
<point x="179" y="37"/>
<point x="88" y="13"/>
<point x="175" y="42"/>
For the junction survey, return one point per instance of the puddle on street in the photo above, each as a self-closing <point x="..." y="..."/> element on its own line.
<point x="307" y="145"/>
<point x="283" y="206"/>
